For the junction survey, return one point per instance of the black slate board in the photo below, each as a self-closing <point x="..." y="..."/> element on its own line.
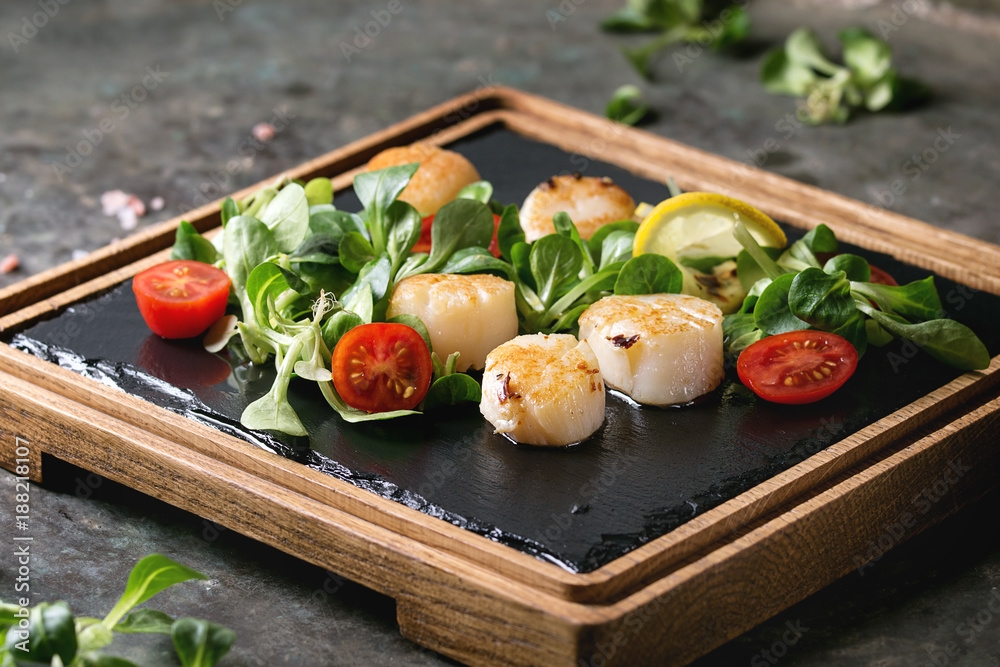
<point x="647" y="471"/>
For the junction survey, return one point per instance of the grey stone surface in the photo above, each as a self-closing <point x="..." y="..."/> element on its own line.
<point x="226" y="65"/>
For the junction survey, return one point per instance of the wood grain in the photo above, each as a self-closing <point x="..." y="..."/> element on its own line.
<point x="473" y="599"/>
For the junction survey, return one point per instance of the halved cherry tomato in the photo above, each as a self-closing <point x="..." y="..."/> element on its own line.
<point x="424" y="243"/>
<point x="181" y="298"/>
<point x="382" y="366"/>
<point x="880" y="276"/>
<point x="797" y="367"/>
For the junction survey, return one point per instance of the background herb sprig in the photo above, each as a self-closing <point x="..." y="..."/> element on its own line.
<point x="627" y="106"/>
<point x="830" y="93"/>
<point x="677" y="21"/>
<point x="54" y="636"/>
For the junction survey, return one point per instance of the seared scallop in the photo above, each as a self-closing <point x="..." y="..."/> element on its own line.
<point x="470" y="315"/>
<point x="660" y="349"/>
<point x="441" y="175"/>
<point x="590" y="203"/>
<point x="543" y="390"/>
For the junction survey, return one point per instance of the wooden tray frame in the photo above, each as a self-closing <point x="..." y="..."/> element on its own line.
<point x="483" y="603"/>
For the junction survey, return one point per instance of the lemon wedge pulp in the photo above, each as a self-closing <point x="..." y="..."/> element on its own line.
<point x="700" y="224"/>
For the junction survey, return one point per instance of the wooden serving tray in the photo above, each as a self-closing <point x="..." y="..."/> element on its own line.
<point x="666" y="602"/>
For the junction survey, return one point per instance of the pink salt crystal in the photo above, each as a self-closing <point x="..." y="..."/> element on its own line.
<point x="263" y="131"/>
<point x="9" y="263"/>
<point x="113" y="201"/>
<point x="127" y="218"/>
<point x="136" y="205"/>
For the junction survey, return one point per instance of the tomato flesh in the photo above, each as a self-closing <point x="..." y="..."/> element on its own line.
<point x="181" y="298"/>
<point x="382" y="366"/>
<point x="797" y="367"/>
<point x="880" y="276"/>
<point x="424" y="243"/>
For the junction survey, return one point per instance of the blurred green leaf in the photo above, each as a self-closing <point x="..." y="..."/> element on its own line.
<point x="201" y="643"/>
<point x="627" y="105"/>
<point x="828" y="92"/>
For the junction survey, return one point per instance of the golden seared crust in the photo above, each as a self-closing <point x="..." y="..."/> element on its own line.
<point x="660" y="349"/>
<point x="464" y="287"/>
<point x="391" y="157"/>
<point x="590" y="202"/>
<point x="468" y="314"/>
<point x="441" y="175"/>
<point x="529" y="354"/>
<point x="538" y="368"/>
<point x="650" y="314"/>
<point x="543" y="390"/>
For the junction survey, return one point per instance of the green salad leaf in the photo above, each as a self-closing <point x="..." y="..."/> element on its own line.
<point x="793" y="292"/>
<point x="304" y="273"/>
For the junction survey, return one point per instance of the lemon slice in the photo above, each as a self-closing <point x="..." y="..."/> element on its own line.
<point x="695" y="225"/>
<point x="699" y="226"/>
